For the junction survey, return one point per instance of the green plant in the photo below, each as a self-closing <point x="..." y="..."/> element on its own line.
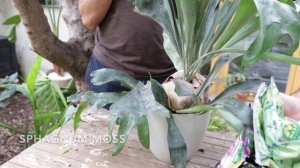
<point x="218" y="124"/>
<point x="7" y="88"/>
<point x="13" y="21"/>
<point x="47" y="101"/>
<point x="199" y="31"/>
<point x="46" y="98"/>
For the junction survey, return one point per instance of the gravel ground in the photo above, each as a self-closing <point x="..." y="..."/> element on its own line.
<point x="17" y="113"/>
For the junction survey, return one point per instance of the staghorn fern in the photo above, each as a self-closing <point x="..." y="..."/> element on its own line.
<point x="200" y="30"/>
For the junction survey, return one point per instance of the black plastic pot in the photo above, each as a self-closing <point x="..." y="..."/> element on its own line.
<point x="8" y="60"/>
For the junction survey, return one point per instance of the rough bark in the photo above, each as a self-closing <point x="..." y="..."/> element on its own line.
<point x="74" y="55"/>
<point x="78" y="33"/>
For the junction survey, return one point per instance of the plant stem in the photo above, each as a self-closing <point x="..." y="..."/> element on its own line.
<point x="282" y="58"/>
<point x="225" y="50"/>
<point x="26" y="144"/>
<point x="12" y="128"/>
<point x="206" y="58"/>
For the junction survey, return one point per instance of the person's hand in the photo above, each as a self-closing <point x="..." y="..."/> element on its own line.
<point x="291" y="106"/>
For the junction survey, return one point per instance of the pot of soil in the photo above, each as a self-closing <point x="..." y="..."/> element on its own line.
<point x="191" y="126"/>
<point x="61" y="80"/>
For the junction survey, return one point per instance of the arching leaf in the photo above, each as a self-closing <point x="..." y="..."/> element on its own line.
<point x="177" y="145"/>
<point x="139" y="101"/>
<point x="246" y="86"/>
<point x="276" y="20"/>
<point x="103" y="76"/>
<point x="143" y="131"/>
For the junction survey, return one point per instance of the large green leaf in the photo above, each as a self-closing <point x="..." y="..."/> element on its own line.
<point x="223" y="13"/>
<point x="77" y="118"/>
<point x="70" y="111"/>
<point x="45" y="122"/>
<point x="239" y="109"/>
<point x="103" y="76"/>
<point x="244" y="23"/>
<point x="9" y="79"/>
<point x="243" y="33"/>
<point x="33" y="74"/>
<point x="48" y="96"/>
<point x="23" y="88"/>
<point x="132" y="109"/>
<point x="7" y="94"/>
<point x="176" y="144"/>
<point x="40" y="118"/>
<point x="282" y="57"/>
<point x="183" y="88"/>
<point x="12" y="35"/>
<point x="143" y="131"/>
<point x="111" y="126"/>
<point x="214" y="19"/>
<point x="50" y="103"/>
<point x="159" y="93"/>
<point x="7" y="88"/>
<point x="126" y="124"/>
<point x="99" y="100"/>
<point x="238" y="114"/>
<point x="14" y="20"/>
<point x="276" y="20"/>
<point x="139" y="101"/>
<point x="75" y="98"/>
<point x="247" y="86"/>
<point x="234" y="121"/>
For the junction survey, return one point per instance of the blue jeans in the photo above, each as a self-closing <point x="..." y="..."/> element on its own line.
<point x="94" y="64"/>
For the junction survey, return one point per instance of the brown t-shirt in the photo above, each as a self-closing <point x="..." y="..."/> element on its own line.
<point x="131" y="42"/>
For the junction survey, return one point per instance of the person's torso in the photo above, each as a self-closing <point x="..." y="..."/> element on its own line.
<point x="131" y="42"/>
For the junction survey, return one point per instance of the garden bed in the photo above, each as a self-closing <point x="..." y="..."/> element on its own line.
<point x="17" y="113"/>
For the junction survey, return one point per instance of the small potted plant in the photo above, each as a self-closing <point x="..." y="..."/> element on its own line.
<point x="171" y="118"/>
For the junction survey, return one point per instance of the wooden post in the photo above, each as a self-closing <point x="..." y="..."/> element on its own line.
<point x="294" y="76"/>
<point x="219" y="82"/>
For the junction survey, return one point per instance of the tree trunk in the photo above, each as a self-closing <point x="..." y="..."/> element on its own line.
<point x="78" y="33"/>
<point x="73" y="55"/>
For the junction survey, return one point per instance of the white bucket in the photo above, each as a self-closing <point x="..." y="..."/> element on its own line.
<point x="61" y="81"/>
<point x="192" y="127"/>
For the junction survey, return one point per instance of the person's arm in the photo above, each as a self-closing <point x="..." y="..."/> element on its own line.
<point x="291" y="105"/>
<point x="93" y="12"/>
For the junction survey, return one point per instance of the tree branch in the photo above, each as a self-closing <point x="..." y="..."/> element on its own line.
<point x="71" y="56"/>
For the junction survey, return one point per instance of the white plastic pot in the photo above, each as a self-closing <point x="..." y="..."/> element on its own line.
<point x="192" y="127"/>
<point x="61" y="81"/>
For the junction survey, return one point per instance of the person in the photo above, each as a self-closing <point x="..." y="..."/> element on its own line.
<point x="291" y="105"/>
<point x="124" y="40"/>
